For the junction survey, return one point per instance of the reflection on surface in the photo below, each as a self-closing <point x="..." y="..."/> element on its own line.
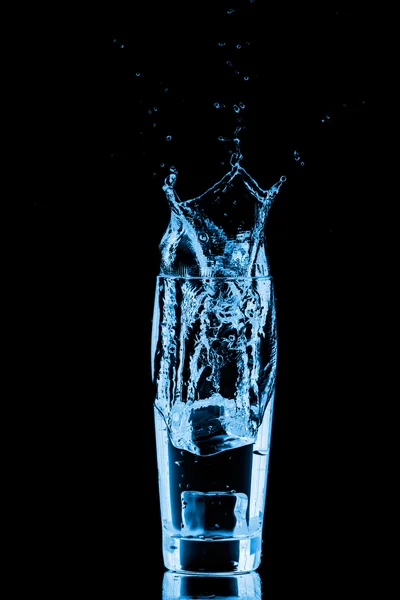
<point x="245" y="586"/>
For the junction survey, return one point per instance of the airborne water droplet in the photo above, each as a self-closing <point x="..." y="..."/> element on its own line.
<point x="168" y="138"/>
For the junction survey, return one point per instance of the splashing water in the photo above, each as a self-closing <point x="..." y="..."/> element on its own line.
<point x="214" y="327"/>
<point x="221" y="232"/>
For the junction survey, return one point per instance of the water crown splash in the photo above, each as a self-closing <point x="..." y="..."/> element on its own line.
<point x="221" y="232"/>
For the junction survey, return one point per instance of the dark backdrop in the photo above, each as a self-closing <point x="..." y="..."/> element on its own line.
<point x="105" y="101"/>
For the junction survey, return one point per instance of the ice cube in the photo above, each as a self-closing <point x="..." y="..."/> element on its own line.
<point x="214" y="514"/>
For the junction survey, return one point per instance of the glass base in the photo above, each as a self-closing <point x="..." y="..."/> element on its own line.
<point x="217" y="556"/>
<point x="243" y="586"/>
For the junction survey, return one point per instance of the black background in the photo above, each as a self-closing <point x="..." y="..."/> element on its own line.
<point x="90" y="257"/>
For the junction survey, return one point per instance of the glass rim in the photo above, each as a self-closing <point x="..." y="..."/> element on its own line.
<point x="213" y="277"/>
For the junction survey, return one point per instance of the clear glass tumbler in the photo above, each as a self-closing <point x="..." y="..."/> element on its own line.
<point x="214" y="353"/>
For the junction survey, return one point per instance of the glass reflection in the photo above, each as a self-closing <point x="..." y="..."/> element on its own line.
<point x="177" y="586"/>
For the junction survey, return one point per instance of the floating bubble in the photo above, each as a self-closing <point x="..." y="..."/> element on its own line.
<point x="246" y="77"/>
<point x="242" y="105"/>
<point x="168" y="138"/>
<point x="138" y="74"/>
<point x="217" y="105"/>
<point x="236" y="108"/>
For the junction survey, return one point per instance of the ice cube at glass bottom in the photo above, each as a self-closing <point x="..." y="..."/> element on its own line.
<point x="214" y="514"/>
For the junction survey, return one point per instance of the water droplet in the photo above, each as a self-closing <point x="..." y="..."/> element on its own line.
<point x="238" y="46"/>
<point x="236" y="108"/>
<point x="179" y="462"/>
<point x="173" y="169"/>
<point x="217" y="105"/>
<point x="162" y="165"/>
<point x="228" y="62"/>
<point x="221" y="44"/>
<point x="155" y="108"/>
<point x="138" y="74"/>
<point x="302" y="164"/>
<point x="242" y="105"/>
<point x="246" y="77"/>
<point x="237" y="72"/>
<point x="168" y="138"/>
<point x="122" y="46"/>
<point x="149" y="111"/>
<point x="230" y="11"/>
<point x="154" y="124"/>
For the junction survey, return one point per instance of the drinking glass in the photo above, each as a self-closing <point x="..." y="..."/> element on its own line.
<point x="213" y="358"/>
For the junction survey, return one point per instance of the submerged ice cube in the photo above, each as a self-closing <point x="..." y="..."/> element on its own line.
<point x="214" y="514"/>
